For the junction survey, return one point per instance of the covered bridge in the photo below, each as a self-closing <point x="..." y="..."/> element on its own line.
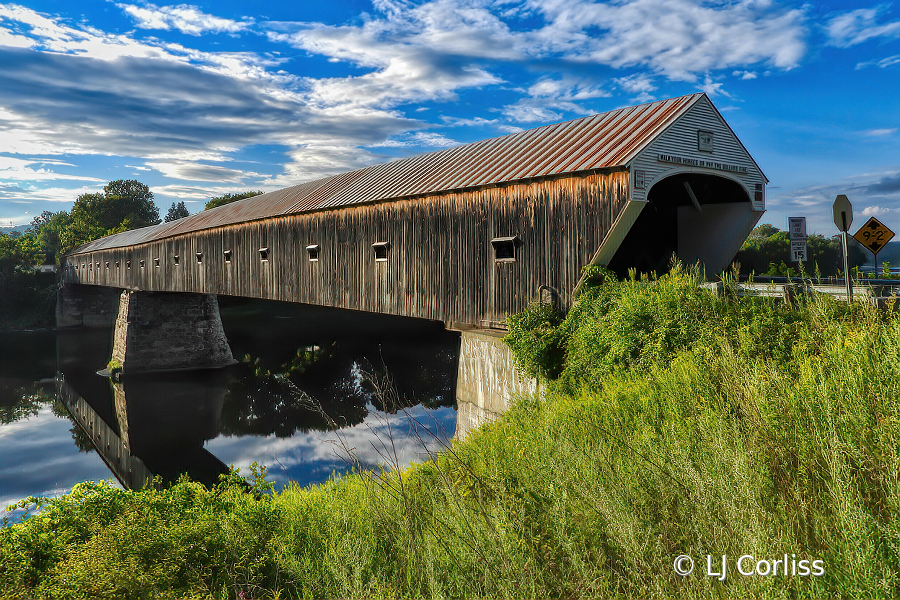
<point x="469" y="234"/>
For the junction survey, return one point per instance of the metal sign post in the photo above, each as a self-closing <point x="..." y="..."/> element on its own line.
<point x="874" y="235"/>
<point x="843" y="217"/>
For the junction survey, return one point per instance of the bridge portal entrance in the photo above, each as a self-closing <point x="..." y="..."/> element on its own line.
<point x="697" y="217"/>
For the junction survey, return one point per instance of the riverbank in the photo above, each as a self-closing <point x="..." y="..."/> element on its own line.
<point x="28" y="301"/>
<point x="674" y="422"/>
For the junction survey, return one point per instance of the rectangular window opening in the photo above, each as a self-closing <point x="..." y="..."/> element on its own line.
<point x="199" y="256"/>
<point x="264" y="254"/>
<point x="505" y="248"/>
<point x="128" y="264"/>
<point x="176" y="259"/>
<point x="381" y="251"/>
<point x="117" y="265"/>
<point x="156" y="262"/>
<point x="313" y="251"/>
<point x="227" y="254"/>
<point x="107" y="265"/>
<point x="142" y="264"/>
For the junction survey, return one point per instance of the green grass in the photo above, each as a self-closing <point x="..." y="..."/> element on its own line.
<point x="674" y="422"/>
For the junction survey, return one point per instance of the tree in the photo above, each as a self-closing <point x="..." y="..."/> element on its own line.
<point x="228" y="198"/>
<point x="121" y="200"/>
<point x="48" y="229"/>
<point x="123" y="205"/>
<point x="176" y="211"/>
<point x="767" y="247"/>
<point x="18" y="253"/>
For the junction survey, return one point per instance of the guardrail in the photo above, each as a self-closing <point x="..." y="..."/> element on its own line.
<point x="878" y="295"/>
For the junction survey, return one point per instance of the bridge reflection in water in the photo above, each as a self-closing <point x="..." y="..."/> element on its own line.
<point x="116" y="453"/>
<point x="282" y="405"/>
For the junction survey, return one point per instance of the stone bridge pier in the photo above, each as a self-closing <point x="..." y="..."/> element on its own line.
<point x="165" y="331"/>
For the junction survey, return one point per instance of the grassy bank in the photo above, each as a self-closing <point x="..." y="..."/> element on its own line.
<point x="675" y="422"/>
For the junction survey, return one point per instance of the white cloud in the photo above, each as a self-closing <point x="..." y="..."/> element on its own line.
<point x="476" y="122"/>
<point x="639" y="84"/>
<point x="677" y="38"/>
<point x="874" y="211"/>
<point x="713" y="88"/>
<point x="196" y="171"/>
<point x="522" y="112"/>
<point x="183" y="17"/>
<point x="566" y="89"/>
<point x="880" y="132"/>
<point x="50" y="35"/>
<point x="316" y="161"/>
<point x="111" y="95"/>
<point x="858" y="26"/>
<point x="27" y="194"/>
<point x="431" y="50"/>
<point x="745" y="74"/>
<point x="549" y="97"/>
<point x="418" y="139"/>
<point x="17" y="169"/>
<point x="427" y="52"/>
<point x="199" y="194"/>
<point x="13" y="40"/>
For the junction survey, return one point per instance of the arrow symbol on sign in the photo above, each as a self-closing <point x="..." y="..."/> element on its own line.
<point x="872" y="225"/>
<point x="875" y="246"/>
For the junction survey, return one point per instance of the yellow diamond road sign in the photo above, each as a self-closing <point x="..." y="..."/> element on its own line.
<point x="873" y="235"/>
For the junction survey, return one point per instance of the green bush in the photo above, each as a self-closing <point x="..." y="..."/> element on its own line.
<point x="536" y="340"/>
<point x="100" y="541"/>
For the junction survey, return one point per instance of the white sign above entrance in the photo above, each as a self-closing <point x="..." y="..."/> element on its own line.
<point x="696" y="162"/>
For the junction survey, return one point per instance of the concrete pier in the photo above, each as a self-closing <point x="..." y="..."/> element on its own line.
<point x="163" y="331"/>
<point x="487" y="380"/>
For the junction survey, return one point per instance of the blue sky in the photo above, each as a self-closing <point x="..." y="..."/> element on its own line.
<point x="200" y="99"/>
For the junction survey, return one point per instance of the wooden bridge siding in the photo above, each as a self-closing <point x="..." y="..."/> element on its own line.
<point x="440" y="265"/>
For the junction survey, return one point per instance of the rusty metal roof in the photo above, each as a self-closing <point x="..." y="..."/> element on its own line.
<point x="600" y="141"/>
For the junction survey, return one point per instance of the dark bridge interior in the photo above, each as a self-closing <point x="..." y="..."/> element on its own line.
<point x="694" y="229"/>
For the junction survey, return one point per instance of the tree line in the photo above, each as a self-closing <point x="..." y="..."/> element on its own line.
<point x="124" y="204"/>
<point x="767" y="251"/>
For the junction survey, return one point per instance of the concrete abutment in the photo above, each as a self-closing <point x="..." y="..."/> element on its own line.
<point x="487" y="380"/>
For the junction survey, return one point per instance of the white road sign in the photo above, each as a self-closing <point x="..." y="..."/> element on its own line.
<point x="797" y="228"/>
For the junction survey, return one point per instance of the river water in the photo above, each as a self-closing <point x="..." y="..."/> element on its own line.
<point x="317" y="391"/>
